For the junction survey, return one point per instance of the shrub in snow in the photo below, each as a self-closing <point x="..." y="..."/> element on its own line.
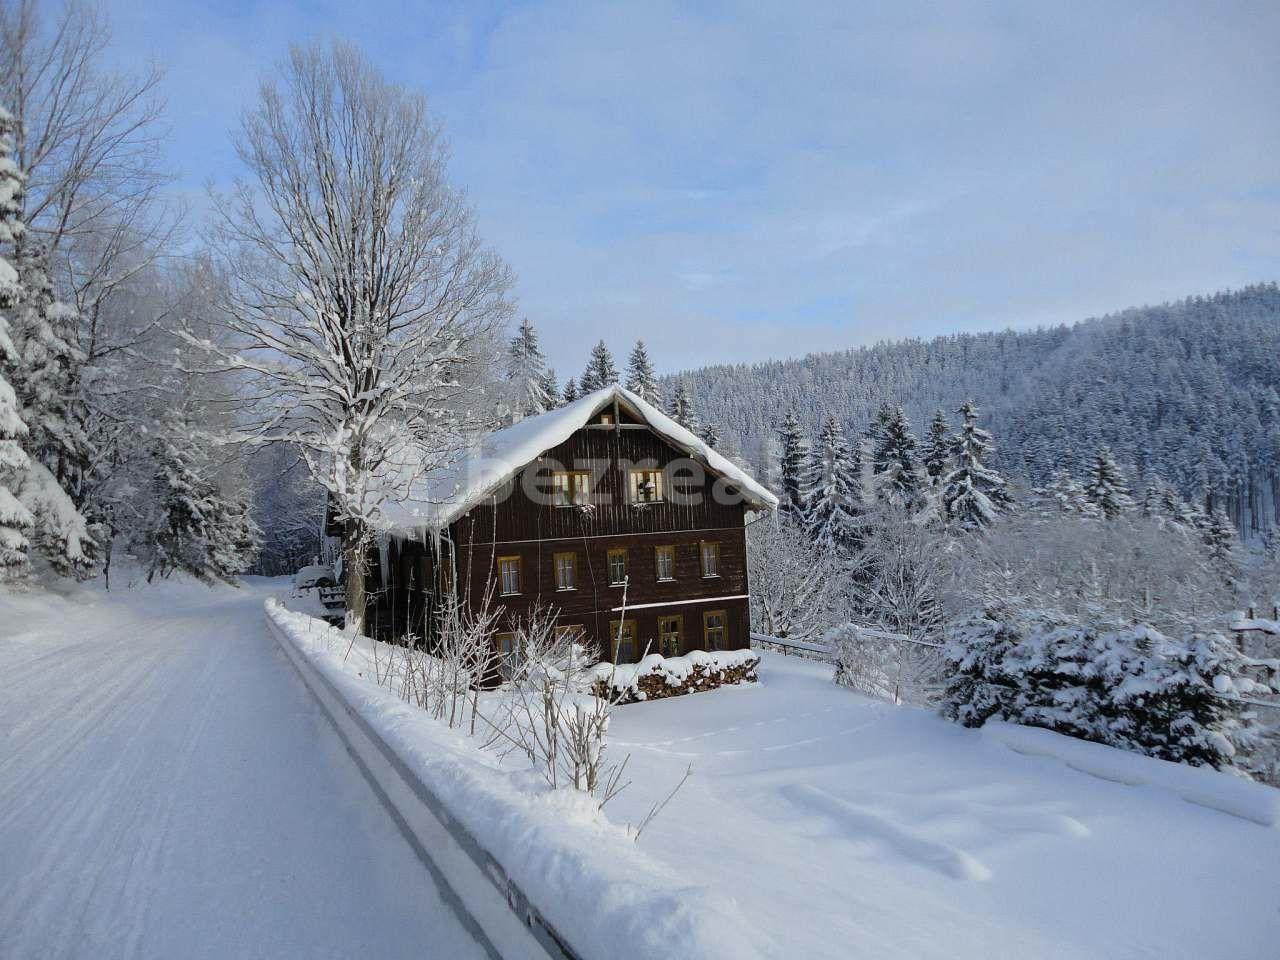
<point x="1132" y="687"/>
<point x="656" y="677"/>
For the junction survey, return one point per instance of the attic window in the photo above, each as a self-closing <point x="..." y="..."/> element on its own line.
<point x="570" y="488"/>
<point x="606" y="418"/>
<point x="646" y="486"/>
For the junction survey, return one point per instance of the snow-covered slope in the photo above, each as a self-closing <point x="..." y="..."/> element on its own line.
<point x="846" y="827"/>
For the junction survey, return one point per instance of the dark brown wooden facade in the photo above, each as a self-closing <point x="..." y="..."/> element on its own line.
<point x="678" y="565"/>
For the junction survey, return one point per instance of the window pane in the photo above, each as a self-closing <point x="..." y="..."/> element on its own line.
<point x="564" y="571"/>
<point x="509" y="575"/>
<point x="664" y="560"/>
<point x="617" y="566"/>
<point x="710" y="559"/>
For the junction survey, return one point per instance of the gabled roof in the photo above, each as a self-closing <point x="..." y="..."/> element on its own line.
<point x="435" y="501"/>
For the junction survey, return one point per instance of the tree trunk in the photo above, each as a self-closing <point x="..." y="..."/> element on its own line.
<point x="355" y="561"/>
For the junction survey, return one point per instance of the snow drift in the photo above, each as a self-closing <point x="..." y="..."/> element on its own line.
<point x="584" y="875"/>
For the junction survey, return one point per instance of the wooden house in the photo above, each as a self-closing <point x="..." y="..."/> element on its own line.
<point x="605" y="509"/>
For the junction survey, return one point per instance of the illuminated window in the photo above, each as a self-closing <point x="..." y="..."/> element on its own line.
<point x="710" y="559"/>
<point x="617" y="567"/>
<point x="509" y="575"/>
<point x="664" y="562"/>
<point x="570" y="488"/>
<point x="646" y="486"/>
<point x="713" y="629"/>
<point x="566" y="571"/>
<point x="622" y="641"/>
<point x="669" y="630"/>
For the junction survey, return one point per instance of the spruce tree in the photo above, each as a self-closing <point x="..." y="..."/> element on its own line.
<point x="681" y="409"/>
<point x="15" y="518"/>
<point x="896" y="469"/>
<point x="834" y="504"/>
<point x="796" y="468"/>
<point x="570" y="391"/>
<point x="527" y="372"/>
<point x="1106" y="487"/>
<point x="939" y="447"/>
<point x="193" y="525"/>
<point x="43" y="332"/>
<point x="973" y="493"/>
<point x="641" y="378"/>
<point x="600" y="372"/>
<point x="551" y="389"/>
<point x="710" y="436"/>
<point x="1219" y="536"/>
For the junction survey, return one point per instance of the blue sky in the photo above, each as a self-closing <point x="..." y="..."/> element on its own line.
<point x="742" y="181"/>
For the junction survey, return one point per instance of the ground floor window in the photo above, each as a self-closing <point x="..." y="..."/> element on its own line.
<point x="713" y="629"/>
<point x="571" y="632"/>
<point x="669" y="640"/>
<point x="506" y="645"/>
<point x="622" y="641"/>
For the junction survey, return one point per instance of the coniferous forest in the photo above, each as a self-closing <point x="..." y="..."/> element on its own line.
<point x="1185" y="392"/>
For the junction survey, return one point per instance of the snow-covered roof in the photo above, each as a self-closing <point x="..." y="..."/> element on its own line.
<point x="436" y="500"/>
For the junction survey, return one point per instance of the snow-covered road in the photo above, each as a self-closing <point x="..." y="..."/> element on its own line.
<point x="168" y="789"/>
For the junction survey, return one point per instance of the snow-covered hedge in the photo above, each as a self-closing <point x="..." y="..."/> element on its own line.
<point x="1175" y="698"/>
<point x="582" y="873"/>
<point x="656" y="677"/>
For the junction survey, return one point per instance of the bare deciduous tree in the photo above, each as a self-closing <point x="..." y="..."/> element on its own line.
<point x="797" y="587"/>
<point x="359" y="290"/>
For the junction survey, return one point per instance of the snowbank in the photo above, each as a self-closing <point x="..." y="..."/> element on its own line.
<point x="657" y="676"/>
<point x="579" y="872"/>
<point x="1203" y="786"/>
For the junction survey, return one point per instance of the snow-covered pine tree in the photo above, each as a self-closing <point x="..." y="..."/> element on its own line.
<point x="551" y="389"/>
<point x="710" y="435"/>
<point x="1221" y="542"/>
<point x="600" y="371"/>
<point x="15" y="519"/>
<point x="526" y="372"/>
<point x="973" y="493"/>
<point x="191" y="524"/>
<point x="1179" y="702"/>
<point x="641" y="378"/>
<point x="896" y="468"/>
<point x="1064" y="494"/>
<point x="681" y="409"/>
<point x="43" y="331"/>
<point x="979" y="685"/>
<point x="795" y="469"/>
<point x="835" y="502"/>
<point x="1106" y="487"/>
<point x="570" y="390"/>
<point x="939" y="448"/>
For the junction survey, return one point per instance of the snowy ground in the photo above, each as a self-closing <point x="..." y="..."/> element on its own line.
<point x="168" y="789"/>
<point x="850" y="828"/>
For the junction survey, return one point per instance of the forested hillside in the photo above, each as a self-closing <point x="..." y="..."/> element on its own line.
<point x="1184" y="391"/>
